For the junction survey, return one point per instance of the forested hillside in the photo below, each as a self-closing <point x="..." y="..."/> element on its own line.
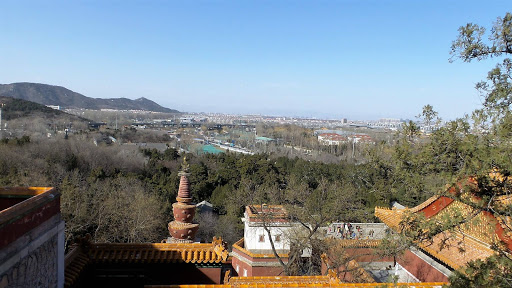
<point x="55" y="95"/>
<point x="14" y="108"/>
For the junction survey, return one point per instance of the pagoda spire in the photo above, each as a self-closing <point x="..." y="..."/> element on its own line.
<point x="183" y="229"/>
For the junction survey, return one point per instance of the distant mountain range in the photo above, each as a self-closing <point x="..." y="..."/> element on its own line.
<point x="55" y="95"/>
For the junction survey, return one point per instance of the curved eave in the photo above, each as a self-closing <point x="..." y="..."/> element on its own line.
<point x="157" y="253"/>
<point x="389" y="217"/>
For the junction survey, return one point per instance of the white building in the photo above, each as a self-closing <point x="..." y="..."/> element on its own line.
<point x="56" y="107"/>
<point x="331" y="139"/>
<point x="256" y="218"/>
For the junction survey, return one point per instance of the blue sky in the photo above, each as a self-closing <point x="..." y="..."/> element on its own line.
<point x="356" y="59"/>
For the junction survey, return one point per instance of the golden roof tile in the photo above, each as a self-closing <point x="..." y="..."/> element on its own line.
<point x="455" y="249"/>
<point x="356" y="243"/>
<point x="472" y="239"/>
<point x="79" y="257"/>
<point x="359" y="273"/>
<point x="424" y="204"/>
<point x="74" y="263"/>
<point x="258" y="280"/>
<point x="389" y="217"/>
<point x="504" y="199"/>
<point x="158" y="252"/>
<point x="264" y="212"/>
<point x="305" y="285"/>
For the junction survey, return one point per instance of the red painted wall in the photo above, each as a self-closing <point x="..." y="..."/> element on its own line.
<point x="420" y="269"/>
<point x="214" y="274"/>
<point x="256" y="270"/>
<point x="29" y="221"/>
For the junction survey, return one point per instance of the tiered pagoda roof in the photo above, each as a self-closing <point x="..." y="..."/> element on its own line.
<point x="471" y="240"/>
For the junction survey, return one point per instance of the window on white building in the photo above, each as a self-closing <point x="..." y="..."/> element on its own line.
<point x="278" y="238"/>
<point x="261" y="238"/>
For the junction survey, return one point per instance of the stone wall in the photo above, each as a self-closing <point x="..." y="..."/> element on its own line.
<point x="37" y="269"/>
<point x="35" y="259"/>
<point x="31" y="238"/>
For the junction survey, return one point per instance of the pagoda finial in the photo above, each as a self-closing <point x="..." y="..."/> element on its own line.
<point x="184" y="167"/>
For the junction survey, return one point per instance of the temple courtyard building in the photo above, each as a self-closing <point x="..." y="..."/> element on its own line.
<point x="32" y="248"/>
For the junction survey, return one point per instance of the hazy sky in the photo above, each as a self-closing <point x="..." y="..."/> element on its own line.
<point x="358" y="59"/>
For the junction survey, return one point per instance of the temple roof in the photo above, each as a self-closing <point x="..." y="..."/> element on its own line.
<point x="200" y="253"/>
<point x="157" y="253"/>
<point x="267" y="213"/>
<point x="358" y="243"/>
<point x="472" y="239"/>
<point x="329" y="280"/>
<point x="280" y="281"/>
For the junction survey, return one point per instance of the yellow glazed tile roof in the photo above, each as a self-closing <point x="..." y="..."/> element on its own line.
<point x="235" y="281"/>
<point x="390" y="217"/>
<point x="81" y="255"/>
<point x="456" y="250"/>
<point x="359" y="273"/>
<point x="356" y="243"/>
<point x="264" y="212"/>
<point x="157" y="253"/>
<point x="471" y="241"/>
<point x="305" y="285"/>
<point x="74" y="263"/>
<point x="424" y="204"/>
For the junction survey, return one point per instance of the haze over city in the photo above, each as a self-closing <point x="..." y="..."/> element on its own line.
<point x="350" y="59"/>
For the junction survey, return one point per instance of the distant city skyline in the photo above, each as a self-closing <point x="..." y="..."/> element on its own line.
<point x="333" y="59"/>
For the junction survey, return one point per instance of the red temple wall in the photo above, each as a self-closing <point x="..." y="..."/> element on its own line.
<point x="214" y="274"/>
<point x="263" y="270"/>
<point x="29" y="221"/>
<point x="420" y="269"/>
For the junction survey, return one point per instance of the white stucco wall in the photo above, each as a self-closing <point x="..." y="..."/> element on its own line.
<point x="253" y="231"/>
<point x="252" y="238"/>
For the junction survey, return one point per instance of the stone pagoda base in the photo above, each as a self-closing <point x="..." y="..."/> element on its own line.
<point x="182" y="232"/>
